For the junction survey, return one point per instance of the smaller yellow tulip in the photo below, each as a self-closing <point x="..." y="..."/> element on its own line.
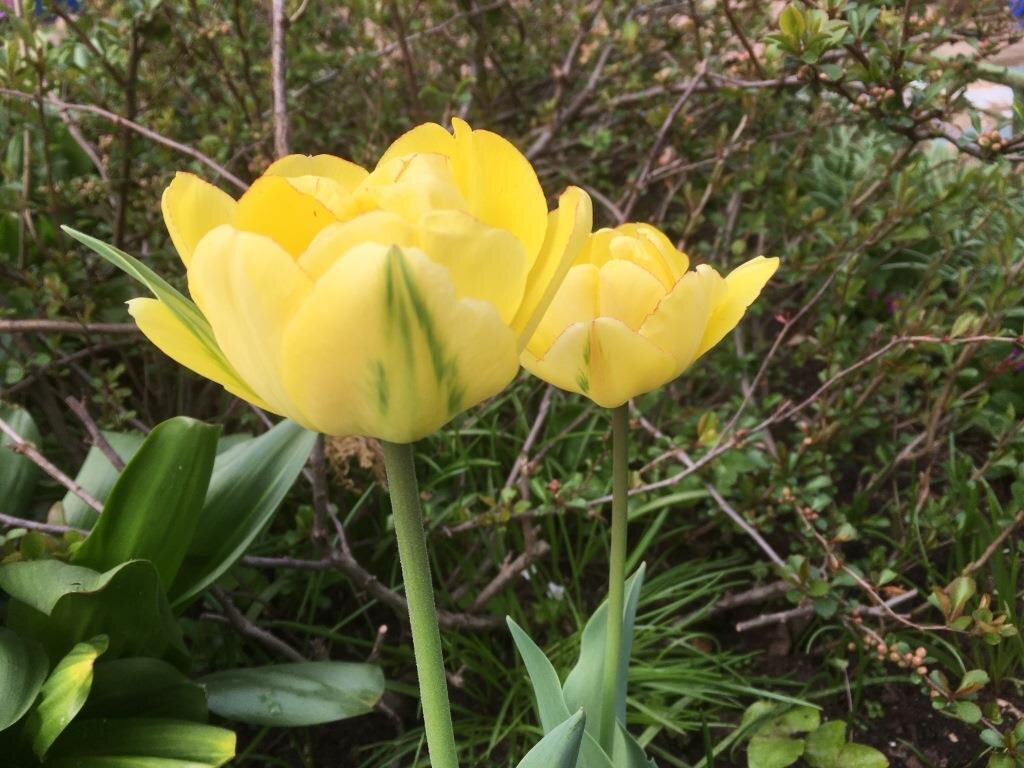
<point x="630" y="317"/>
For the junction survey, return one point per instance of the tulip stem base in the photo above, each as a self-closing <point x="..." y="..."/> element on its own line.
<point x="419" y="592"/>
<point x="611" y="683"/>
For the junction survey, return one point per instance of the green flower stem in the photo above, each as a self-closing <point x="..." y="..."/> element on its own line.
<point x="419" y="592"/>
<point x="616" y="576"/>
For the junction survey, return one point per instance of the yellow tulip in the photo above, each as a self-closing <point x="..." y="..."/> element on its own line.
<point x="629" y="317"/>
<point x="375" y="303"/>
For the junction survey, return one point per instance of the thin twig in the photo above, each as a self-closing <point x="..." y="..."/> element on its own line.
<point x="95" y="434"/>
<point x="65" y="326"/>
<point x="278" y="19"/>
<point x="34" y="525"/>
<point x="27" y="449"/>
<point x="245" y="627"/>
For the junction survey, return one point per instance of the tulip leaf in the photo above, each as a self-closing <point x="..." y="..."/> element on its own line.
<point x="582" y="687"/>
<point x="182" y="307"/>
<point x="627" y="752"/>
<point x="154" y="507"/>
<point x="248" y="483"/>
<point x="142" y="743"/>
<point x="23" y="667"/>
<point x="143" y="686"/>
<point x="97" y="475"/>
<point x="547" y="689"/>
<point x="59" y="605"/>
<point x="304" y="693"/>
<point x="18" y="474"/>
<point x="63" y="695"/>
<point x="560" y="748"/>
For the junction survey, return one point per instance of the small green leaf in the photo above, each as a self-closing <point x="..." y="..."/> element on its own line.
<point x="791" y="22"/>
<point x="547" y="690"/>
<point x="23" y="667"/>
<point x="560" y="748"/>
<point x="858" y="756"/>
<point x="773" y="751"/>
<point x="62" y="695"/>
<point x="304" y="693"/>
<point x="967" y="711"/>
<point x="154" y="508"/>
<point x="973" y="681"/>
<point x="824" y="744"/>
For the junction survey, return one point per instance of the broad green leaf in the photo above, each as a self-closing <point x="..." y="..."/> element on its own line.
<point x="627" y="752"/>
<point x="582" y="688"/>
<point x="142" y="743"/>
<point x="153" y="509"/>
<point x="560" y="748"/>
<point x="249" y="482"/>
<point x="824" y="744"/>
<point x="547" y="689"/>
<point x="63" y="695"/>
<point x="185" y="310"/>
<point x="304" y="693"/>
<point x="791" y="21"/>
<point x="97" y="475"/>
<point x="859" y="756"/>
<point x="773" y="751"/>
<point x="798" y="720"/>
<point x="23" y="667"/>
<point x="591" y="754"/>
<point x="138" y="687"/>
<point x="18" y="474"/>
<point x="59" y="605"/>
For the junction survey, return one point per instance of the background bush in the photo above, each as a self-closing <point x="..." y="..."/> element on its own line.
<point x="864" y="422"/>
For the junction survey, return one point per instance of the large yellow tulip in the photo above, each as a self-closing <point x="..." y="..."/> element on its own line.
<point x="629" y="317"/>
<point x="370" y="303"/>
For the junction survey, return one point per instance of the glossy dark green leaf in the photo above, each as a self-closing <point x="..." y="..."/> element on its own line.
<point x="59" y="605"/>
<point x="547" y="690"/>
<point x="63" y="695"/>
<point x="23" y="668"/>
<point x="304" y="693"/>
<point x="18" y="475"/>
<point x="97" y="475"/>
<point x="153" y="509"/>
<point x="141" y="743"/>
<point x="560" y="748"/>
<point x="249" y="482"/>
<point x="144" y="687"/>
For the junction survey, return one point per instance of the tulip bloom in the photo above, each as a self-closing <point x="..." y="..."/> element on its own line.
<point x="629" y="317"/>
<point x="375" y="303"/>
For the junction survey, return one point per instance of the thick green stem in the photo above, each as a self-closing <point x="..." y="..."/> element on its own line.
<point x="419" y="592"/>
<point x="611" y="683"/>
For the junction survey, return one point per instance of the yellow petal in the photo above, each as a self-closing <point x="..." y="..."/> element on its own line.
<point x="483" y="262"/>
<point x="500" y="186"/>
<point x="675" y="261"/>
<point x="172" y="337"/>
<point x="430" y="138"/>
<point x="567" y="231"/>
<point x="383" y="348"/>
<point x="413" y="186"/>
<point x="329" y="193"/>
<point x="191" y="208"/>
<point x="677" y="325"/>
<point x="249" y="288"/>
<point x="575" y="302"/>
<point x="275" y="208"/>
<point x="604" y="360"/>
<point x="628" y="292"/>
<point x="346" y="174"/>
<point x="743" y="285"/>
<point x="334" y="240"/>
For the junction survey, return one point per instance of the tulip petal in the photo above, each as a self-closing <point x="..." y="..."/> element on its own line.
<point x="347" y="174"/>
<point x="483" y="262"/>
<point x="575" y="302"/>
<point x="743" y="285"/>
<point x="604" y="360"/>
<point x="191" y="208"/>
<point x="275" y="208"/>
<point x="500" y="186"/>
<point x="430" y="138"/>
<point x="329" y="193"/>
<point x="567" y="231"/>
<point x="249" y="288"/>
<point x="172" y="337"/>
<point x="334" y="240"/>
<point x="383" y="348"/>
<point x="677" y="324"/>
<point x="659" y="246"/>
<point x="628" y="292"/>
